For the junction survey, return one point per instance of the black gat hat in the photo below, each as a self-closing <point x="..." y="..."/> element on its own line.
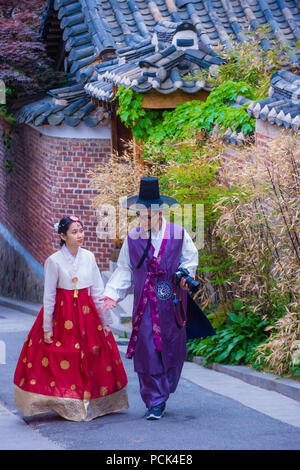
<point x="149" y="197"/>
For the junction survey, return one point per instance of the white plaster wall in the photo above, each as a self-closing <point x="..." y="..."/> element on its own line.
<point x="268" y="130"/>
<point x="79" y="132"/>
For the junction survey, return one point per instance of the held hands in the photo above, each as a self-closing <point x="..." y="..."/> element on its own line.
<point x="108" y="303"/>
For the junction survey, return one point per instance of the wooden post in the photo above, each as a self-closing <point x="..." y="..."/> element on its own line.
<point x="155" y="100"/>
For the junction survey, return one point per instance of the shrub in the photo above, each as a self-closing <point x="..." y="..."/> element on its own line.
<point x="235" y="343"/>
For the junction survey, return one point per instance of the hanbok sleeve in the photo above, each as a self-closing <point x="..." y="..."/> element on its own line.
<point x="120" y="282"/>
<point x="97" y="289"/>
<point x="189" y="257"/>
<point x="49" y="299"/>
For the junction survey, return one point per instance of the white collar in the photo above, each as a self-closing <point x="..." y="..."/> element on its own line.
<point x="73" y="258"/>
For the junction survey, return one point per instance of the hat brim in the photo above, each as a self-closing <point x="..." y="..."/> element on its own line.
<point x="135" y="204"/>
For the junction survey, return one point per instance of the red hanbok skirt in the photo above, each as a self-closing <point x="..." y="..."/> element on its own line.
<point x="80" y="375"/>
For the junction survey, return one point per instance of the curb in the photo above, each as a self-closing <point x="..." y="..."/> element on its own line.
<point x="287" y="387"/>
<point x="25" y="307"/>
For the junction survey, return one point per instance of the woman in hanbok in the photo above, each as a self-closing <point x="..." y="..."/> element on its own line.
<point x="70" y="362"/>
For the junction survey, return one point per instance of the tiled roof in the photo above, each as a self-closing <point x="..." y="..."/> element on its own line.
<point x="141" y="29"/>
<point x="69" y="105"/>
<point x="150" y="43"/>
<point x="282" y="108"/>
<point x="94" y="27"/>
<point x="162" y="69"/>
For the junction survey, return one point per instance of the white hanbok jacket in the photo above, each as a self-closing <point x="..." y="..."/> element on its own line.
<point x="60" y="268"/>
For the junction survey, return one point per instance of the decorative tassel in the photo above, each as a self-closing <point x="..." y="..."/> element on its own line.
<point x="74" y="280"/>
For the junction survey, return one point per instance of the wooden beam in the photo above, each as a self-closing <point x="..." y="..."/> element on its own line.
<point x="155" y="100"/>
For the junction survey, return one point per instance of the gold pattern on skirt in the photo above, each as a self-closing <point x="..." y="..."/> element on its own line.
<point x="73" y="387"/>
<point x="58" y="343"/>
<point x="96" y="350"/>
<point x="103" y="391"/>
<point x="64" y="365"/>
<point x="68" y="324"/>
<point x="52" y="384"/>
<point x="45" y="362"/>
<point x="77" y="345"/>
<point x="85" y="309"/>
<point x="32" y="382"/>
<point x="108" y="368"/>
<point x="70" y="408"/>
<point x="29" y="365"/>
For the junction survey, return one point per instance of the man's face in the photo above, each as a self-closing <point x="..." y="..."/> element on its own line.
<point x="148" y="219"/>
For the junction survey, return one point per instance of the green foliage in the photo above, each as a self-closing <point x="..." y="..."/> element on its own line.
<point x="234" y="343"/>
<point x="188" y="118"/>
<point x="138" y="119"/>
<point x="217" y="109"/>
<point x="295" y="371"/>
<point x="249" y="62"/>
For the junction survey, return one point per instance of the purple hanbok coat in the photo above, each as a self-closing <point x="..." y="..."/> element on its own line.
<point x="157" y="343"/>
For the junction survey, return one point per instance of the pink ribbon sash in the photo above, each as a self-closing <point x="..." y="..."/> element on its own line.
<point x="149" y="293"/>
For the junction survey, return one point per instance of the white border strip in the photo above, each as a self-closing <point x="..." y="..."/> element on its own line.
<point x="79" y="132"/>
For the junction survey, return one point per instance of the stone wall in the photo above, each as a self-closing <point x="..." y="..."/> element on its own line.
<point x="18" y="277"/>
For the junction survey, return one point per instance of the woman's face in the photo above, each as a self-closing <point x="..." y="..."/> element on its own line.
<point x="74" y="237"/>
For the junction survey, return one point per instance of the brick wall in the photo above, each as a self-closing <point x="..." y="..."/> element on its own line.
<point x="49" y="180"/>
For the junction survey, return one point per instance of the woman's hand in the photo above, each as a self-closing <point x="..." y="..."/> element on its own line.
<point x="48" y="335"/>
<point x="106" y="330"/>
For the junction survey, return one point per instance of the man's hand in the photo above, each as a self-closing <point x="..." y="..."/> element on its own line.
<point x="48" y="337"/>
<point x="183" y="284"/>
<point x="108" y="303"/>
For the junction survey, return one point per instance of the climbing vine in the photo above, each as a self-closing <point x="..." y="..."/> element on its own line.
<point x="139" y="120"/>
<point x="188" y="118"/>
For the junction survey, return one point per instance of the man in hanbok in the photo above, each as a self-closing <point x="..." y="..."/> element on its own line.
<point x="150" y="257"/>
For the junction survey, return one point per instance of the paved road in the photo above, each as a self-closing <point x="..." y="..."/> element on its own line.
<point x="208" y="411"/>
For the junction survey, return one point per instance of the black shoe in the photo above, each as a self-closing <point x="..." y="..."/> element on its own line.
<point x="156" y="412"/>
